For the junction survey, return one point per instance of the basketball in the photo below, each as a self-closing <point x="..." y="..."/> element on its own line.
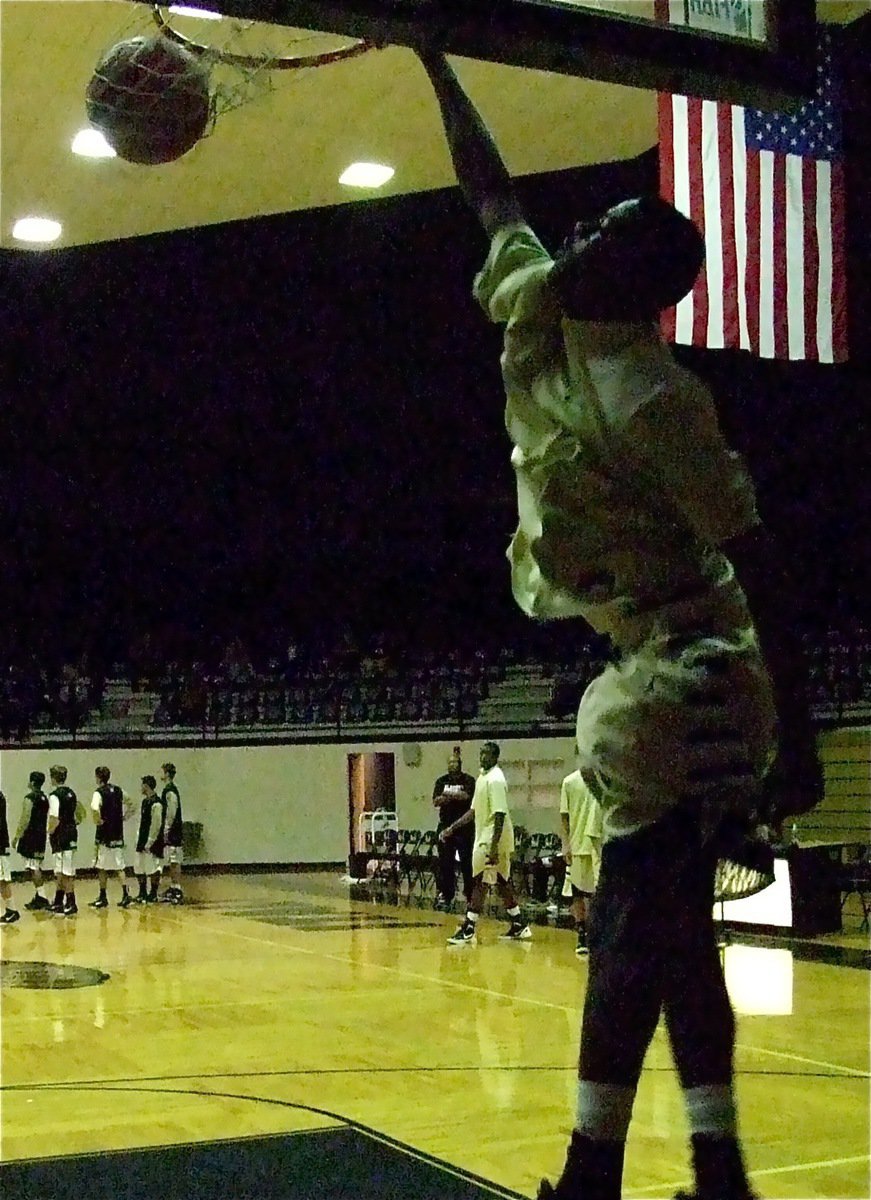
<point x="150" y="99"/>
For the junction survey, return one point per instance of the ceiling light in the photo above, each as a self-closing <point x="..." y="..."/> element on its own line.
<point x="36" y="229"/>
<point x="185" y="10"/>
<point x="366" y="175"/>
<point x="90" y="143"/>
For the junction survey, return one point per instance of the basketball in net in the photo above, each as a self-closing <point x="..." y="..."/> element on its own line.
<point x="149" y="97"/>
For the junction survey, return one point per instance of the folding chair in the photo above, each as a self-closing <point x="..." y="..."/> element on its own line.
<point x="522" y="859"/>
<point x="406" y="850"/>
<point x="854" y="879"/>
<point x="426" y="859"/>
<point x="530" y="852"/>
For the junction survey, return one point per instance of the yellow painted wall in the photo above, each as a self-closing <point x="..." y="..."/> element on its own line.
<point x="290" y="803"/>
<point x="285" y="803"/>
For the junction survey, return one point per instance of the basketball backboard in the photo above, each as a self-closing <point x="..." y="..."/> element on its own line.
<point x="754" y="52"/>
<point x="287" y="149"/>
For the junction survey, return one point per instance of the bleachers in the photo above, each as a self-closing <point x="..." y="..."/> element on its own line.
<point x="473" y="691"/>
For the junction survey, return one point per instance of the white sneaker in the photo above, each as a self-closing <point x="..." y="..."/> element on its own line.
<point x="517" y="931"/>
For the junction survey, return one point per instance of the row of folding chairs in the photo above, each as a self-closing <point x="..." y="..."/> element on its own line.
<point x="408" y="857"/>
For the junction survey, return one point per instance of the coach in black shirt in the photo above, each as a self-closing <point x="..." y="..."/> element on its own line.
<point x="452" y="796"/>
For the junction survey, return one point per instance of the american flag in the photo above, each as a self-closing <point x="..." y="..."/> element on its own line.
<point x="768" y="191"/>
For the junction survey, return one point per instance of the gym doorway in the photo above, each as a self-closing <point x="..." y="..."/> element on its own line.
<point x="371" y="805"/>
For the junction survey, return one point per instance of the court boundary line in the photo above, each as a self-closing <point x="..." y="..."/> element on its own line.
<point x="305" y="1072"/>
<point x="278" y="943"/>
<point x="368" y="1131"/>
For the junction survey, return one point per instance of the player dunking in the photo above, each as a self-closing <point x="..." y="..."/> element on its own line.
<point x="635" y="515"/>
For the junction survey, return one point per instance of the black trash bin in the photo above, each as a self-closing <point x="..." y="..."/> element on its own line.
<point x="191" y="838"/>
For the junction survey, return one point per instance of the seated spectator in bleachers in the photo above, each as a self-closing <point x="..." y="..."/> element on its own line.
<point x="193" y="695"/>
<point x="165" y="713"/>
<point x="145" y="664"/>
<point x="72" y="699"/>
<point x="236" y="665"/>
<point x="272" y="705"/>
<point x="22" y="700"/>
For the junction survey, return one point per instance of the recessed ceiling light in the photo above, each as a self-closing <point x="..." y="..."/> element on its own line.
<point x="366" y="175"/>
<point x="186" y="10"/>
<point x="90" y="143"/>
<point x="36" y="229"/>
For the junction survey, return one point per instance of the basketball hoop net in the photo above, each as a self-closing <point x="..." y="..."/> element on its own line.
<point x="243" y="56"/>
<point x="317" y="54"/>
<point x="144" y="98"/>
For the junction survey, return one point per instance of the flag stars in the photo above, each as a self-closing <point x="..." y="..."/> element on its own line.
<point x="812" y="131"/>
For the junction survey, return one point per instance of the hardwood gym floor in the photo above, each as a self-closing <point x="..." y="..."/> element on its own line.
<point x="275" y="1037"/>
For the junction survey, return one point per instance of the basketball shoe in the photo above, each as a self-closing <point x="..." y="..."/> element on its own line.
<point x="465" y="935"/>
<point x="517" y="931"/>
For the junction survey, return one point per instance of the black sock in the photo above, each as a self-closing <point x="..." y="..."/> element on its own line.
<point x="102" y="893"/>
<point x="143" y="890"/>
<point x="58" y="898"/>
<point x="594" y="1168"/>
<point x="719" y="1166"/>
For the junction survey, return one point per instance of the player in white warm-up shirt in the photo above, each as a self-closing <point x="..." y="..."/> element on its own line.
<point x="635" y="515"/>
<point x="581" y="819"/>
<point x="491" y="852"/>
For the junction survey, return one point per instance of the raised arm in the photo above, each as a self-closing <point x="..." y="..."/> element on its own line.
<point x="481" y="173"/>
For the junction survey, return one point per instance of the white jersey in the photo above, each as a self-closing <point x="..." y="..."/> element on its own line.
<point x="491" y="797"/>
<point x="579" y="804"/>
<point x="625" y="485"/>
